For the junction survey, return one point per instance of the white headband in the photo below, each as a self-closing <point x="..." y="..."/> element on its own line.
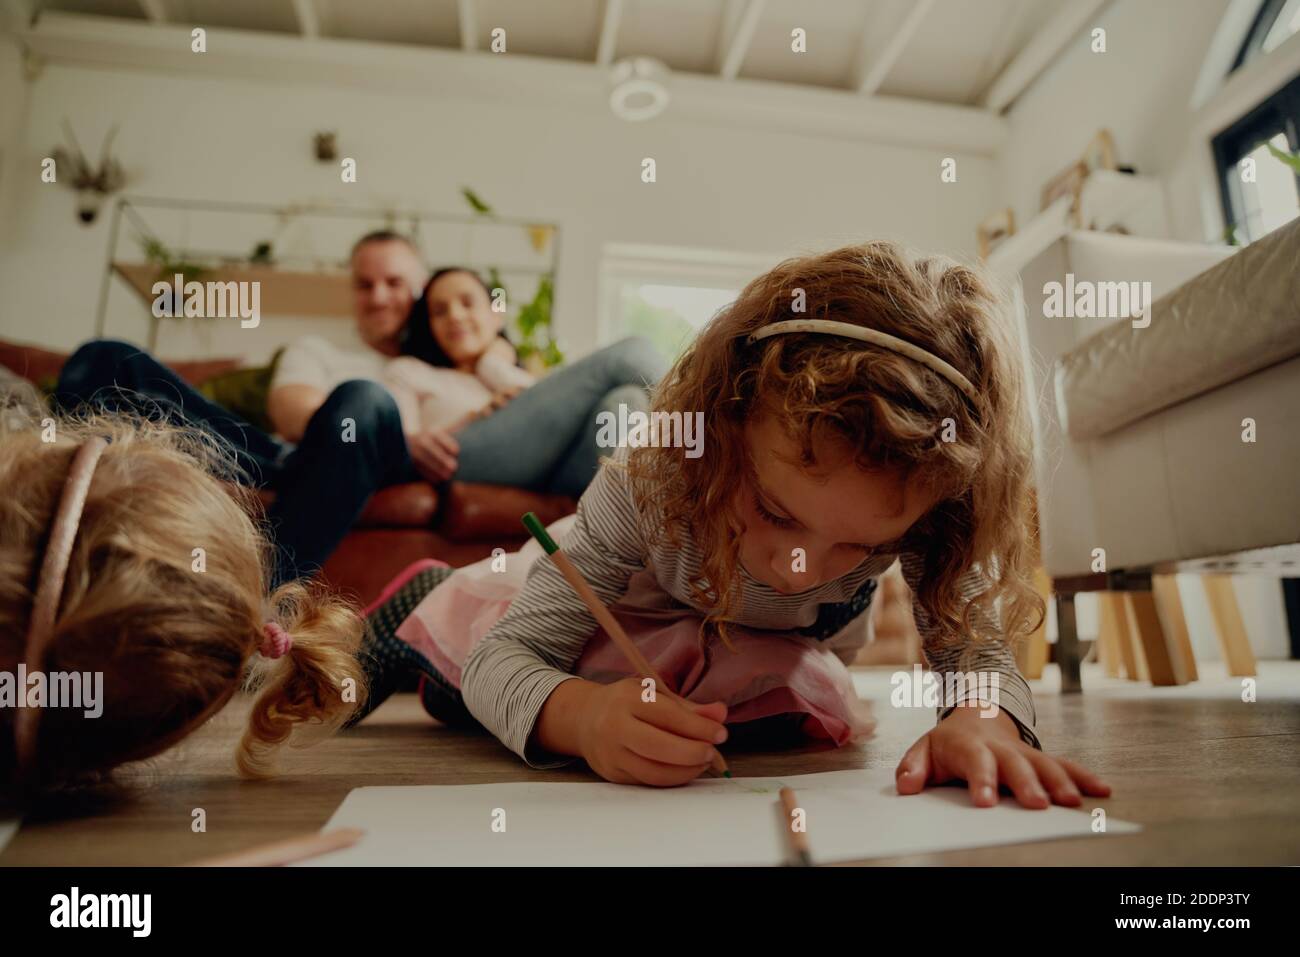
<point x="875" y="337"/>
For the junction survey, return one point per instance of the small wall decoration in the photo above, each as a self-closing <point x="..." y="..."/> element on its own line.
<point x="540" y="237"/>
<point x="1068" y="182"/>
<point x="326" y="145"/>
<point x="1100" y="153"/>
<point x="92" y="183"/>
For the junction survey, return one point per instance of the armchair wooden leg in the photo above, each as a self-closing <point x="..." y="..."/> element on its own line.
<point x="1165" y="664"/>
<point x="1170" y="605"/>
<point x="1112" y="636"/>
<point x="1108" y="653"/>
<point x="1115" y="608"/>
<point x="1031" y="655"/>
<point x="1231" y="630"/>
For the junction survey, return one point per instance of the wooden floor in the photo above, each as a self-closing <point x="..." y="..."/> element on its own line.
<point x="1213" y="780"/>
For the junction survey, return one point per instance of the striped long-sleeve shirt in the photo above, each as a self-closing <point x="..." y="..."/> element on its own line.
<point x="510" y="673"/>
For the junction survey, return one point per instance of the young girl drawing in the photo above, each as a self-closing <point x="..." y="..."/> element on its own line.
<point x="123" y="553"/>
<point x="861" y="407"/>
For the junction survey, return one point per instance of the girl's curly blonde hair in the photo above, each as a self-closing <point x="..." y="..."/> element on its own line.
<point x="173" y="631"/>
<point x="893" y="412"/>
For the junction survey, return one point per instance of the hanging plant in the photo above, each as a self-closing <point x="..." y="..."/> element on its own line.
<point x="537" y="345"/>
<point x="169" y="265"/>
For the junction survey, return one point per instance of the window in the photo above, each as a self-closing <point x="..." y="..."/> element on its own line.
<point x="669" y="316"/>
<point x="667" y="294"/>
<point x="1256" y="158"/>
<point x="1276" y="21"/>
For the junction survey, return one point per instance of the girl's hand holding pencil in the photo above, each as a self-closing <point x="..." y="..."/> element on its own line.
<point x="627" y="734"/>
<point x="628" y="739"/>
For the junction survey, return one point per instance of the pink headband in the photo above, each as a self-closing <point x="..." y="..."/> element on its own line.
<point x="276" y="642"/>
<point x="51" y="579"/>
<point x="49" y="584"/>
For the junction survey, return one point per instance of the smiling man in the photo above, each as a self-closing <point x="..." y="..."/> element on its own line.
<point x="387" y="277"/>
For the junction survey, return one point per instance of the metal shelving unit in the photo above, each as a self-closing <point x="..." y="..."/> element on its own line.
<point x="298" y="284"/>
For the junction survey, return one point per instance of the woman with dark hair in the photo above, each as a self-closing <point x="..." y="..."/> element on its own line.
<point x="418" y="339"/>
<point x="538" y="435"/>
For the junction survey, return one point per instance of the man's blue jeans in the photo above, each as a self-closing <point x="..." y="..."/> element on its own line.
<point x="543" y="440"/>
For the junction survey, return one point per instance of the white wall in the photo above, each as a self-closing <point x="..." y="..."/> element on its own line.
<point x="13" y="109"/>
<point x="1140" y="89"/>
<point x="218" y="138"/>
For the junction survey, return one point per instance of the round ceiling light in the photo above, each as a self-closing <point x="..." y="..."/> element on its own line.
<point x="639" y="90"/>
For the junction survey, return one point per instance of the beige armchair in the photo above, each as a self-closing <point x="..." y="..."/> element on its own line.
<point x="1170" y="446"/>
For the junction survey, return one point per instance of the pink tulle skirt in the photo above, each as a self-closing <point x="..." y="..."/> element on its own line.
<point x="763" y="673"/>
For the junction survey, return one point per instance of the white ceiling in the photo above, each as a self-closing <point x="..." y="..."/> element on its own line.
<point x="950" y="53"/>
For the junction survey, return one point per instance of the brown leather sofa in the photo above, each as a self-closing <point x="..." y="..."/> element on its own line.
<point x="458" y="523"/>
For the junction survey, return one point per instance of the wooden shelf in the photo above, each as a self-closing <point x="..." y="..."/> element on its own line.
<point x="283" y="292"/>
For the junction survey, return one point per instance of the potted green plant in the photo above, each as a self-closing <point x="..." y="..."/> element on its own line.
<point x="170" y="264"/>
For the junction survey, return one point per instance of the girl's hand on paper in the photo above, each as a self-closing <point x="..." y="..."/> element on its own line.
<point x="985" y="752"/>
<point x="665" y="742"/>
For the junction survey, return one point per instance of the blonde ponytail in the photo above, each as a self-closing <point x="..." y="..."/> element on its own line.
<point x="319" y="682"/>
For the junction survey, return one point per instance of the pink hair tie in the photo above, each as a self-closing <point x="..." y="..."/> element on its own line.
<point x="275" y="640"/>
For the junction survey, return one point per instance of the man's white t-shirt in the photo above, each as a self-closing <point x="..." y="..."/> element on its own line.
<point x="317" y="362"/>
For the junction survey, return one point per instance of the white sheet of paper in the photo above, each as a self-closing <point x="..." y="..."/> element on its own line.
<point x="8" y="828"/>
<point x="713" y="821"/>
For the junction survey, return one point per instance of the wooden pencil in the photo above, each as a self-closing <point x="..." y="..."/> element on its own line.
<point x="796" y="841"/>
<point x="605" y="619"/>
<point x="288" y="851"/>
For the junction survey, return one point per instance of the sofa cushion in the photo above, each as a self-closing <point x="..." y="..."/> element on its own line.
<point x="409" y="505"/>
<point x="369" y="558"/>
<point x="473" y="511"/>
<point x="199" y="371"/>
<point x="1235" y="318"/>
<point x="244" y="391"/>
<point x="462" y="511"/>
